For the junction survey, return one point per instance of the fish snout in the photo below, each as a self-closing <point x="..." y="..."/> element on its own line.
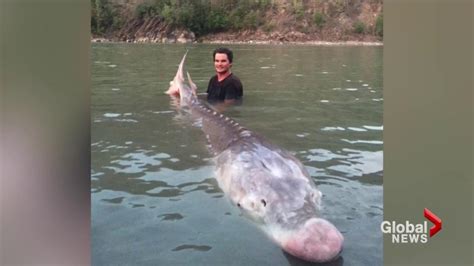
<point x="317" y="240"/>
<point x="173" y="89"/>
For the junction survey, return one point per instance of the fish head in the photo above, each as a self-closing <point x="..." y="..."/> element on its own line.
<point x="293" y="210"/>
<point x="317" y="240"/>
<point x="253" y="207"/>
<point x="293" y="221"/>
<point x="274" y="188"/>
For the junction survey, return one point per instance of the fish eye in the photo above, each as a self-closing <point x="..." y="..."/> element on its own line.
<point x="264" y="202"/>
<point x="238" y="204"/>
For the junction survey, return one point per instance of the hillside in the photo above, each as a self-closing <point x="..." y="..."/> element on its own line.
<point x="182" y="21"/>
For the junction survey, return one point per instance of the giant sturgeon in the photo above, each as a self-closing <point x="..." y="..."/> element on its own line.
<point x="266" y="182"/>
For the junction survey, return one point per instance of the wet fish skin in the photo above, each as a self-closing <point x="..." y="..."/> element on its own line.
<point x="266" y="182"/>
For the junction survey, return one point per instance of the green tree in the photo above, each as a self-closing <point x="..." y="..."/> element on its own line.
<point x="93" y="17"/>
<point x="359" y="27"/>
<point x="168" y="14"/>
<point x="146" y="10"/>
<point x="379" y="26"/>
<point x="319" y="19"/>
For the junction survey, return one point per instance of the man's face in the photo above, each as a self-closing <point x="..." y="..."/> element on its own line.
<point x="221" y="63"/>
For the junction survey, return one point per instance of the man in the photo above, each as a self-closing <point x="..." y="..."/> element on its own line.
<point x="224" y="86"/>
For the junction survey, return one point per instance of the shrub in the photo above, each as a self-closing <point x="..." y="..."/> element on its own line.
<point x="302" y="29"/>
<point x="297" y="9"/>
<point x="299" y="13"/>
<point x="199" y="16"/>
<point x="145" y="10"/>
<point x="319" y="19"/>
<point x="359" y="27"/>
<point x="94" y="27"/>
<point x="105" y="15"/>
<point x="379" y="26"/>
<point x="251" y="20"/>
<point x="237" y="16"/>
<point x="268" y="27"/>
<point x="168" y="14"/>
<point x="218" y="20"/>
<point x="336" y="7"/>
<point x="264" y="4"/>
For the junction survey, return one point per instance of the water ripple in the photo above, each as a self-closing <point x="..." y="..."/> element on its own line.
<point x="374" y="127"/>
<point x="135" y="162"/>
<point x="193" y="247"/>
<point x="170" y="216"/>
<point x="322" y="155"/>
<point x="332" y="128"/>
<point x="358" y="129"/>
<point x="349" y="162"/>
<point x="359" y="163"/>
<point x="112" y="115"/>
<point x="117" y="200"/>
<point x="363" y="141"/>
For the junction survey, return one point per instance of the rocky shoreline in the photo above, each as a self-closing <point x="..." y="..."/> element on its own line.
<point x="345" y="43"/>
<point x="257" y="42"/>
<point x="291" y="37"/>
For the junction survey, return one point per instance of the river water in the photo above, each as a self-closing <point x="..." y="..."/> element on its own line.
<point x="154" y="197"/>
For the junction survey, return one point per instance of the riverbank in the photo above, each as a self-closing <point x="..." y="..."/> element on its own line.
<point x="316" y="43"/>
<point x="256" y="42"/>
<point x="278" y="22"/>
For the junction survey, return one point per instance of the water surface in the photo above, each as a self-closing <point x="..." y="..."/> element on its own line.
<point x="154" y="197"/>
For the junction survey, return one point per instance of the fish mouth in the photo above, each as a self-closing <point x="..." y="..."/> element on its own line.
<point x="317" y="241"/>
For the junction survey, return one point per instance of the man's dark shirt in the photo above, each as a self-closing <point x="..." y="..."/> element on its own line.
<point x="228" y="89"/>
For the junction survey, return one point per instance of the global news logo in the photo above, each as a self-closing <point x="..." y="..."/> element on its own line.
<point x="407" y="232"/>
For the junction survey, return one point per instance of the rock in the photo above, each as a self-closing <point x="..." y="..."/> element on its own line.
<point x="182" y="39"/>
<point x="99" y="40"/>
<point x="168" y="40"/>
<point x="142" y="40"/>
<point x="185" y="37"/>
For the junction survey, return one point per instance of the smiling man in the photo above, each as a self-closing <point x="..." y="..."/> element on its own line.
<point x="224" y="86"/>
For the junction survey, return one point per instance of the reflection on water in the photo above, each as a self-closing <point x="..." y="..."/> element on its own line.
<point x="293" y="261"/>
<point x="193" y="247"/>
<point x="154" y="197"/>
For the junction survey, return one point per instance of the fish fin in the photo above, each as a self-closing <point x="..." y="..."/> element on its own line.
<point x="192" y="84"/>
<point x="186" y="93"/>
<point x="178" y="79"/>
<point x="180" y="72"/>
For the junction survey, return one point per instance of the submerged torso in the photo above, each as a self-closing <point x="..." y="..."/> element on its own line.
<point x="229" y="88"/>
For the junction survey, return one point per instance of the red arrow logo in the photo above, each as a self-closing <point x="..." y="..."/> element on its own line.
<point x="434" y="219"/>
